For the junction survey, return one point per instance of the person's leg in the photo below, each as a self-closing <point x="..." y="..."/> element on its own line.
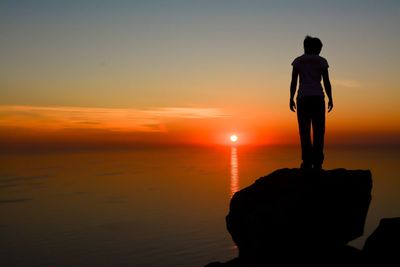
<point x="318" y="125"/>
<point x="304" y="120"/>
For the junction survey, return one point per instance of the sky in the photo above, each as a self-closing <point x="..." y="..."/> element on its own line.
<point x="192" y="72"/>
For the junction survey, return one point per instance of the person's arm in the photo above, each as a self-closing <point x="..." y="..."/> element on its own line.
<point x="293" y="87"/>
<point x="328" y="88"/>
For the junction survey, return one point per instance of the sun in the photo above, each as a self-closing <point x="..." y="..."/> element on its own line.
<point x="234" y="138"/>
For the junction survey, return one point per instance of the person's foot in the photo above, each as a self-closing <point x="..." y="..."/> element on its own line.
<point x="306" y="166"/>
<point x="317" y="167"/>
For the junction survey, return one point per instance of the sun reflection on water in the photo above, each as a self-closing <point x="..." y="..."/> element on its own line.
<point x="234" y="185"/>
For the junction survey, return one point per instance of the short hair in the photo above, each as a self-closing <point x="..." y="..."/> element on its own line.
<point x="312" y="45"/>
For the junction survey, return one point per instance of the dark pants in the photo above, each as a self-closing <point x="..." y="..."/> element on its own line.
<point x="311" y="111"/>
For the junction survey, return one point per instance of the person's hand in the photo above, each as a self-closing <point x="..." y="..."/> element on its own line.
<point x="330" y="105"/>
<point x="292" y="105"/>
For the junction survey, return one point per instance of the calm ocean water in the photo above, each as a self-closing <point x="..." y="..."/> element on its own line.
<point x="150" y="207"/>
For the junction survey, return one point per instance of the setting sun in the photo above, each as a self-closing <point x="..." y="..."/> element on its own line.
<point x="234" y="138"/>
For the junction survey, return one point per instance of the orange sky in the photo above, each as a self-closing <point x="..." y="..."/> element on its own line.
<point x="30" y="125"/>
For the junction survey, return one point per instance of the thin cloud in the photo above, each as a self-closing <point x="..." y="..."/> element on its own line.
<point x="188" y="113"/>
<point x="125" y="120"/>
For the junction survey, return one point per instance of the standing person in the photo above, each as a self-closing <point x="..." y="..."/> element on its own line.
<point x="311" y="67"/>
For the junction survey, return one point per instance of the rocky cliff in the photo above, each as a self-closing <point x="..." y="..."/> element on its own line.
<point x="294" y="216"/>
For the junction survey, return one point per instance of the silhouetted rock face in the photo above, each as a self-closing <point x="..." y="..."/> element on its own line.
<point x="383" y="245"/>
<point x="293" y="215"/>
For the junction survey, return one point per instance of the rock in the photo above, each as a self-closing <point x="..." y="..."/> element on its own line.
<point x="295" y="216"/>
<point x="383" y="245"/>
<point x="236" y="262"/>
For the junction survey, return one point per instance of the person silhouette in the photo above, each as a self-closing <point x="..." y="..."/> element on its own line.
<point x="311" y="67"/>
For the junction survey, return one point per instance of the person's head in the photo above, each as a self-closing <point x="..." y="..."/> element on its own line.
<point x="312" y="45"/>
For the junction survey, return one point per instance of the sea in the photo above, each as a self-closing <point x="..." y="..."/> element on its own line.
<point x="152" y="206"/>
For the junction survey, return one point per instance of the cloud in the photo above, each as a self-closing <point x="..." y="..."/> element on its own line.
<point x="188" y="113"/>
<point x="113" y="119"/>
<point x="347" y="83"/>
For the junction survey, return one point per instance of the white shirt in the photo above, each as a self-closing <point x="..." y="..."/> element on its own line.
<point x="310" y="69"/>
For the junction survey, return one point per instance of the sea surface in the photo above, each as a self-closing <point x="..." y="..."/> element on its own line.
<point x="151" y="206"/>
